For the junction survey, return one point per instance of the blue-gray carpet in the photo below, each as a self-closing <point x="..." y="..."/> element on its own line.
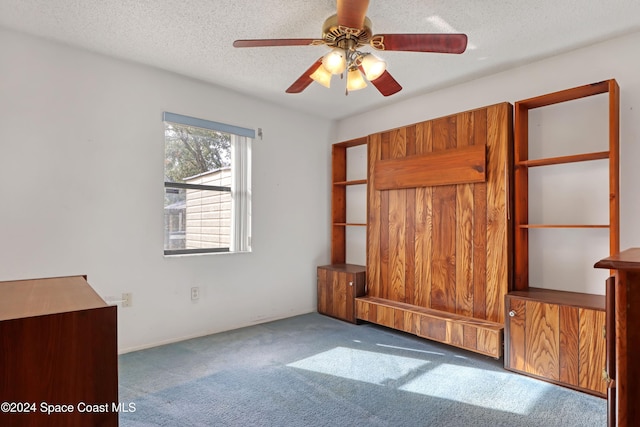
<point x="312" y="370"/>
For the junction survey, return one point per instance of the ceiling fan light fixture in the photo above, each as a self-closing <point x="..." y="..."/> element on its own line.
<point x="335" y="61"/>
<point x="322" y="76"/>
<point x="373" y="66"/>
<point x="348" y="30"/>
<point x="355" y="81"/>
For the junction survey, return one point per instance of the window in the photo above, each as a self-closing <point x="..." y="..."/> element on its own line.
<point x="207" y="186"/>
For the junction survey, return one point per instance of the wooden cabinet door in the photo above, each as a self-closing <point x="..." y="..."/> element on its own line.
<point x="542" y="339"/>
<point x="533" y="337"/>
<point x="592" y="358"/>
<point x="338" y="286"/>
<point x="515" y="330"/>
<point x="556" y="342"/>
<point x="332" y="293"/>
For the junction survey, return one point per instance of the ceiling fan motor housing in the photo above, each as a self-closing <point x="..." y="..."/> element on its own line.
<point x="335" y="35"/>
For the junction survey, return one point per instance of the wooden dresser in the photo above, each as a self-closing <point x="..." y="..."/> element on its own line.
<point x="58" y="346"/>
<point x="623" y="337"/>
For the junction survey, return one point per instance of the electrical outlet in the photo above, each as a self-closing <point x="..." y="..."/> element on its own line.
<point x="127" y="299"/>
<point x="195" y="293"/>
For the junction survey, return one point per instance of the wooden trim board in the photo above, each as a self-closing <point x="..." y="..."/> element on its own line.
<point x="452" y="166"/>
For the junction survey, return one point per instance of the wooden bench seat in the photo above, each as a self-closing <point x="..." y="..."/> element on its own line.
<point x="478" y="335"/>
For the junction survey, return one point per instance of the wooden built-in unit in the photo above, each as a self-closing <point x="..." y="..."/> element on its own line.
<point x="439" y="243"/>
<point x="338" y="286"/>
<point x="623" y="337"/>
<point x="557" y="335"/>
<point x="339" y="198"/>
<point x="440" y="239"/>
<point x="59" y="346"/>
<point x="340" y="283"/>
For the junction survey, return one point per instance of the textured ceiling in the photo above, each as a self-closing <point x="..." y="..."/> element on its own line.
<point x="194" y="38"/>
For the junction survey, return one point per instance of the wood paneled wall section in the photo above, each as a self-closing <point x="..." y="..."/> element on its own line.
<point x="444" y="247"/>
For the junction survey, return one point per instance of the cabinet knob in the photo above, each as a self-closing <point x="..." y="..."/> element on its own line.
<point x="512" y="313"/>
<point x="350" y="283"/>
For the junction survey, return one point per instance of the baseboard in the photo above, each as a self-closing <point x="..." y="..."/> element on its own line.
<point x="249" y="322"/>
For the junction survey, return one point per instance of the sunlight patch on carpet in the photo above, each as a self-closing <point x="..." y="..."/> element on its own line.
<point x="479" y="387"/>
<point x="360" y="365"/>
<point x="435" y="353"/>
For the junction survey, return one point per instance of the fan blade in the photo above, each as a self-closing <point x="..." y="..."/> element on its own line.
<point x="438" y="43"/>
<point x="351" y="13"/>
<point x="304" y="80"/>
<point x="386" y="84"/>
<point x="276" y="42"/>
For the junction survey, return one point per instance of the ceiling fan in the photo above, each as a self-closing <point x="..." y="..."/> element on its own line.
<point x="345" y="32"/>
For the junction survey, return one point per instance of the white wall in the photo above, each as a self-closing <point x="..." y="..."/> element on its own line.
<point x="81" y="175"/>
<point x="612" y="59"/>
<point x="81" y="192"/>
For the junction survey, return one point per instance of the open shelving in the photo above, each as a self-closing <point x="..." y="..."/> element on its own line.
<point x="554" y="334"/>
<point x="523" y="164"/>
<point x="341" y="181"/>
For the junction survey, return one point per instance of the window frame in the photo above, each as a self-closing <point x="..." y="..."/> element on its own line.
<point x="243" y="213"/>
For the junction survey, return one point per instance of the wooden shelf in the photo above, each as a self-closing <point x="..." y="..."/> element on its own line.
<point x="565" y="159"/>
<point x="523" y="163"/>
<point x="563" y="226"/>
<point x="567" y="95"/>
<point x="339" y="196"/>
<point x="352" y="182"/>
